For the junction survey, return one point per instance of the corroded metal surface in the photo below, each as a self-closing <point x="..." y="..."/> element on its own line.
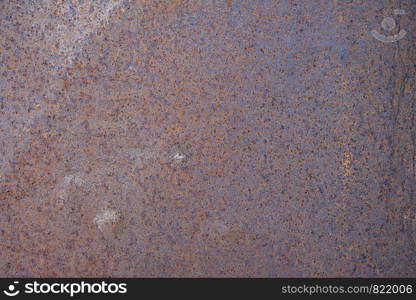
<point x="206" y="138"/>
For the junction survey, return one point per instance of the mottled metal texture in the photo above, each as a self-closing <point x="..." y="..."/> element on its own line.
<point x="206" y="138"/>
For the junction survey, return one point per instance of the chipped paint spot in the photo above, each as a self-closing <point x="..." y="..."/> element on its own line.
<point x="62" y="188"/>
<point x="107" y="216"/>
<point x="75" y="179"/>
<point x="179" y="156"/>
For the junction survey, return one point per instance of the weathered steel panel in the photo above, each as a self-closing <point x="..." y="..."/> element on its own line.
<point x="207" y="138"/>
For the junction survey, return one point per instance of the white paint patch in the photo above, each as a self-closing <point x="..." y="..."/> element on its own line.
<point x="62" y="189"/>
<point x="75" y="179"/>
<point x="108" y="216"/>
<point x="179" y="157"/>
<point x="89" y="17"/>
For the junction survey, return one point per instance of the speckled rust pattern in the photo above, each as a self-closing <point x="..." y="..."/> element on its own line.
<point x="206" y="138"/>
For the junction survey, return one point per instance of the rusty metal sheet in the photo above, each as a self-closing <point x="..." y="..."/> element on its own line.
<point x="207" y="138"/>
